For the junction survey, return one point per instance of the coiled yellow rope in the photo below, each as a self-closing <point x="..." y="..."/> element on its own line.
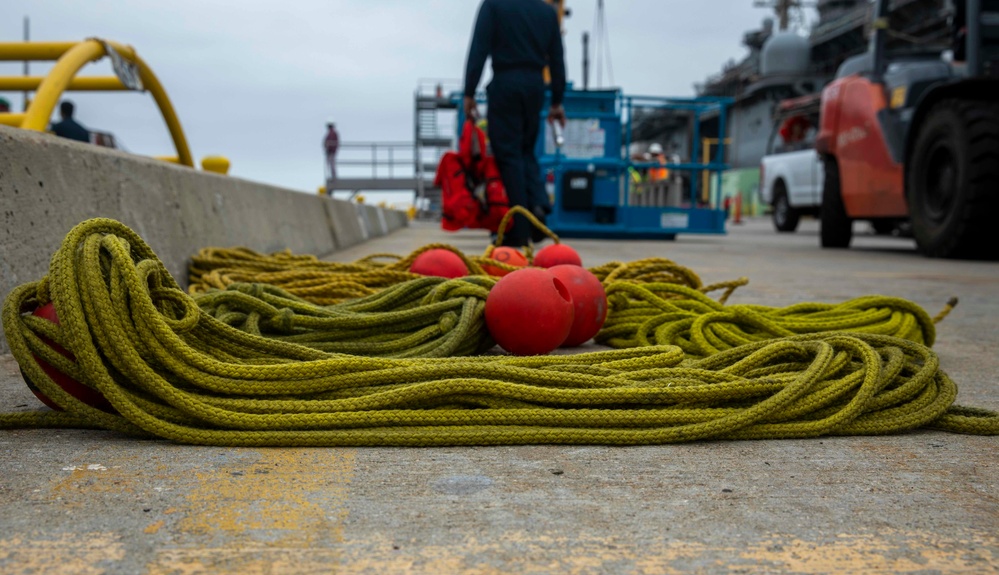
<point x="172" y="370"/>
<point x="326" y="283"/>
<point x="672" y="314"/>
<point x="307" y="277"/>
<point x="425" y="317"/>
<point x="653" y="301"/>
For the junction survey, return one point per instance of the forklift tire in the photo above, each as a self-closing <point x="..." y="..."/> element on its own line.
<point x="836" y="229"/>
<point x="953" y="178"/>
<point x="785" y="217"/>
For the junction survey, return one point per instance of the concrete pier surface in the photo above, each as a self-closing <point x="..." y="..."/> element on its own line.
<point x="926" y="502"/>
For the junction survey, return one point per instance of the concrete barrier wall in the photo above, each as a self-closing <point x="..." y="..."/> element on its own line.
<point x="49" y="184"/>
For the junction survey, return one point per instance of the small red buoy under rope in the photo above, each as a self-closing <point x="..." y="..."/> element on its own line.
<point x="557" y="254"/>
<point x="87" y="395"/>
<point x="439" y="262"/>
<point x="506" y="255"/>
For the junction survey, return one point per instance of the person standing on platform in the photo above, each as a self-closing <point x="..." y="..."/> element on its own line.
<point x="661" y="173"/>
<point x="67" y="127"/>
<point x="331" y="143"/>
<point x="521" y="37"/>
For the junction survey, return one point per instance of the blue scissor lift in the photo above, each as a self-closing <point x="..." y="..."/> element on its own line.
<point x="593" y="195"/>
<point x="593" y="192"/>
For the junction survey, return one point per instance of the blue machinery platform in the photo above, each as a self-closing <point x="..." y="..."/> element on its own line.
<point x="590" y="176"/>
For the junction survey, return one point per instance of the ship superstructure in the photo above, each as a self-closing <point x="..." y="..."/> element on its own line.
<point x="787" y="63"/>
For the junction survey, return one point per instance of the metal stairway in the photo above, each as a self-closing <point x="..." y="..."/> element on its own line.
<point x="434" y="134"/>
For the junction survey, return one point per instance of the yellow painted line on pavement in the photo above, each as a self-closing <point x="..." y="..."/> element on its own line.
<point x="154" y="528"/>
<point x="65" y="554"/>
<point x="519" y="552"/>
<point x="265" y="512"/>
<point x="281" y="513"/>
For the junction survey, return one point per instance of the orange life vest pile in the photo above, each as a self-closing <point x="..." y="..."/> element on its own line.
<point x="472" y="193"/>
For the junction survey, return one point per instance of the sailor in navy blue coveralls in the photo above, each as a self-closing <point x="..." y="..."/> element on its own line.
<point x="521" y="37"/>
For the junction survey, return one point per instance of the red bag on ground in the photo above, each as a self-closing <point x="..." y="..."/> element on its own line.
<point x="460" y="208"/>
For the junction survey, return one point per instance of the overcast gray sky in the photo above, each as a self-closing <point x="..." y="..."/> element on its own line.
<point x="255" y="80"/>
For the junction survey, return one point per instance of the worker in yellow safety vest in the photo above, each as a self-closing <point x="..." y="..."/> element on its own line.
<point x="636" y="177"/>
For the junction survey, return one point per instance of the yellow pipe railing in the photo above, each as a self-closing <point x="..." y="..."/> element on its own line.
<point x="706" y="144"/>
<point x="36" y="50"/>
<point x="86" y="83"/>
<point x="70" y="58"/>
<point x="9" y="119"/>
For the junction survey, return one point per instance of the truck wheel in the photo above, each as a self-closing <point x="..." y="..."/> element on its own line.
<point x="952" y="177"/>
<point x="785" y="217"/>
<point x="836" y="229"/>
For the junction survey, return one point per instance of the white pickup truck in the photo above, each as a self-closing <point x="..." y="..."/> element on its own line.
<point x="791" y="172"/>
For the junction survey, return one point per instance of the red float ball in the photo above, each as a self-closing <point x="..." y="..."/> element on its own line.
<point x="439" y="262"/>
<point x="507" y="255"/>
<point x="556" y="255"/>
<point x="529" y="312"/>
<point x="87" y="395"/>
<point x="589" y="302"/>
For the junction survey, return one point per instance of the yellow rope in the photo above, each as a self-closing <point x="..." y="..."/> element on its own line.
<point x="318" y="281"/>
<point x="172" y="370"/>
<point x="326" y="283"/>
<point x="653" y="301"/>
<point x="672" y="314"/>
<point x="528" y="250"/>
<point x="426" y="317"/>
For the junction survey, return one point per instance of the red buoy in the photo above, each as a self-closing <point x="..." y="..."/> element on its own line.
<point x="529" y="312"/>
<point x="87" y="395"/>
<point x="555" y="255"/>
<point x="506" y="255"/>
<point x="439" y="262"/>
<point x="589" y="302"/>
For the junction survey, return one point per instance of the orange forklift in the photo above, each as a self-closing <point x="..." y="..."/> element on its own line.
<point x="911" y="137"/>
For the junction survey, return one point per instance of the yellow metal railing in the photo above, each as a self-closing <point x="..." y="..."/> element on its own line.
<point x="706" y="150"/>
<point x="70" y="58"/>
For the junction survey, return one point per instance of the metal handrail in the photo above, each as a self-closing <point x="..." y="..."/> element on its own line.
<point x="396" y="156"/>
<point x="70" y="58"/>
<point x="435" y="86"/>
<point x="710" y="164"/>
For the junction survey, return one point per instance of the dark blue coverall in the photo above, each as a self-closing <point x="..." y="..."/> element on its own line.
<point x="69" y="128"/>
<point x="521" y="37"/>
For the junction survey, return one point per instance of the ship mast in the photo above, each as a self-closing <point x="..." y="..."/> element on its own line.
<point x="783" y="9"/>
<point x="602" y="41"/>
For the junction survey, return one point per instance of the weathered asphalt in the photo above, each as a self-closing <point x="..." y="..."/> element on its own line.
<point x="90" y="502"/>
